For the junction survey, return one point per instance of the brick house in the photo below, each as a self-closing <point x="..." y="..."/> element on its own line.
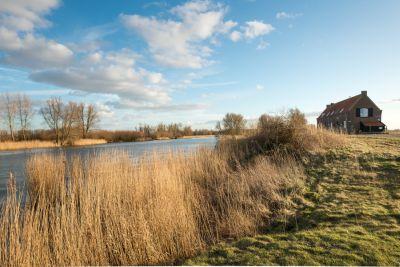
<point x="357" y="114"/>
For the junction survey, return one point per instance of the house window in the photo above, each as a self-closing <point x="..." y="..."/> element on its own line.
<point x="363" y="112"/>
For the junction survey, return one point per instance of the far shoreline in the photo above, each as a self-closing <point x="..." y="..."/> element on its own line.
<point x="36" y="144"/>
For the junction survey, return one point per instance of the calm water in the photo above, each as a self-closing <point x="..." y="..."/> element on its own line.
<point x="14" y="161"/>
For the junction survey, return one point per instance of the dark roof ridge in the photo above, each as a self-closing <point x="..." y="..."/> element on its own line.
<point x="340" y="106"/>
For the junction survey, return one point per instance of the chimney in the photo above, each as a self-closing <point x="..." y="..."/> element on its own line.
<point x="330" y="105"/>
<point x="364" y="93"/>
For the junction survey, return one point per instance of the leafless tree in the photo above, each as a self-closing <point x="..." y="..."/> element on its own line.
<point x="88" y="117"/>
<point x="51" y="113"/>
<point x="233" y="123"/>
<point x="9" y="111"/>
<point x="69" y="120"/>
<point x="24" y="113"/>
<point x="60" y="118"/>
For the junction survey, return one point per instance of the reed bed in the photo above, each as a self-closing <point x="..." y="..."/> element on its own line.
<point x="88" y="142"/>
<point x="105" y="210"/>
<point x="9" y="145"/>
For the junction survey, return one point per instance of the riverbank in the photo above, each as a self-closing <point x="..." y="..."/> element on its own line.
<point x="349" y="216"/>
<point x="162" y="209"/>
<point x="19" y="145"/>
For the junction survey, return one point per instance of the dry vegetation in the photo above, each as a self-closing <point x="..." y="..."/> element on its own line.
<point x="88" y="142"/>
<point x="350" y="215"/>
<point x="9" y="145"/>
<point x="109" y="210"/>
<point x="112" y="212"/>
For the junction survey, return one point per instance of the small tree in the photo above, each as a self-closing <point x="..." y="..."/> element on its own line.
<point x="187" y="131"/>
<point x="69" y="120"/>
<point x="60" y="118"/>
<point x="24" y="113"/>
<point x="233" y="123"/>
<point x="9" y="111"/>
<point x="88" y="117"/>
<point x="51" y="114"/>
<point x="218" y="127"/>
<point x="296" y="118"/>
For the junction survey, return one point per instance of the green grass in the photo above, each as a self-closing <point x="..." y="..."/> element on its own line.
<point x="350" y="214"/>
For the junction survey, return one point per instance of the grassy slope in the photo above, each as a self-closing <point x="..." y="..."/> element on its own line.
<point x="351" y="214"/>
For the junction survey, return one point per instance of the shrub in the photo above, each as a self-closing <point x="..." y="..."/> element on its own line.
<point x="289" y="132"/>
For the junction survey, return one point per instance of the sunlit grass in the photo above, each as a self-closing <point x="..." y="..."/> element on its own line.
<point x="350" y="214"/>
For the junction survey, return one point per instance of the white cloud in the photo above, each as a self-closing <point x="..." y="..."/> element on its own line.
<point x="9" y="40"/>
<point x="182" y="43"/>
<point x="259" y="87"/>
<point x="33" y="52"/>
<point x="256" y="28"/>
<point x="262" y="45"/>
<point x="20" y="45"/>
<point x="284" y="15"/>
<point x="235" y="36"/>
<point x="22" y="15"/>
<point x="114" y="73"/>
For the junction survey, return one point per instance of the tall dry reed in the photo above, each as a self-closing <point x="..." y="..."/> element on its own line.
<point x="9" y="145"/>
<point x="107" y="210"/>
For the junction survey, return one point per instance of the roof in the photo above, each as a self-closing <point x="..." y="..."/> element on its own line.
<point x="374" y="123"/>
<point x="339" y="107"/>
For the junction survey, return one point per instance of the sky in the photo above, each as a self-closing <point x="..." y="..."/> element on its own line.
<point x="193" y="61"/>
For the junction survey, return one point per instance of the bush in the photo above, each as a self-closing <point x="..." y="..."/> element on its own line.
<point x="289" y="132"/>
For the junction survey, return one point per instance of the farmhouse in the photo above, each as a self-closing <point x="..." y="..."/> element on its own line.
<point x="357" y="114"/>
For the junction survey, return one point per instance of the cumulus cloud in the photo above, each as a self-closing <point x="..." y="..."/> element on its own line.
<point x="256" y="28"/>
<point x="184" y="41"/>
<point x="20" y="45"/>
<point x="284" y="15"/>
<point x="262" y="45"/>
<point x="259" y="87"/>
<point x="22" y="15"/>
<point x="33" y="52"/>
<point x="235" y="36"/>
<point x="181" y="43"/>
<point x="113" y="73"/>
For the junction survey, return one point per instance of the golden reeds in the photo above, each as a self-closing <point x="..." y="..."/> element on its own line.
<point x="9" y="145"/>
<point x="108" y="210"/>
<point x="87" y="142"/>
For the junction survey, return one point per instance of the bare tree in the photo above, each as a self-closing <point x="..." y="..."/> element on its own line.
<point x="69" y="120"/>
<point x="9" y="112"/>
<point x="233" y="123"/>
<point x="88" y="117"/>
<point x="60" y="118"/>
<point x="51" y="113"/>
<point x="24" y="113"/>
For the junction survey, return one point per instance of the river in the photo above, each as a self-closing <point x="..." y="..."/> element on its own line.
<point x="14" y="161"/>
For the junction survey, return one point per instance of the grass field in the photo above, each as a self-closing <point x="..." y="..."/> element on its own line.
<point x="350" y="214"/>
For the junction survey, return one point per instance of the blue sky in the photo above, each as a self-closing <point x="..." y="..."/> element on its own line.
<point x="194" y="61"/>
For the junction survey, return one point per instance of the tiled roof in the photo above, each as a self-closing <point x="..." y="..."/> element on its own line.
<point x="340" y="107"/>
<point x="373" y="123"/>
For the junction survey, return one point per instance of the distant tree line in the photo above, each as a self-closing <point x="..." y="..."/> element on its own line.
<point x="146" y="132"/>
<point x="66" y="121"/>
<point x="69" y="121"/>
<point x="235" y="124"/>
